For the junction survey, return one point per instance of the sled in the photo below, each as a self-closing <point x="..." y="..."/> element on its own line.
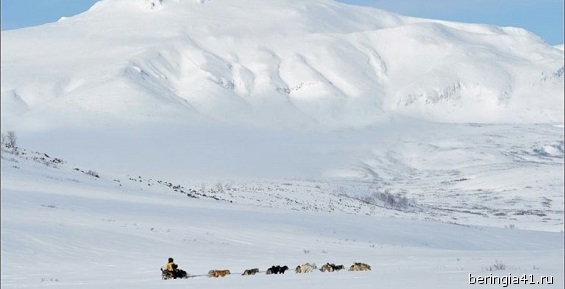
<point x="177" y="274"/>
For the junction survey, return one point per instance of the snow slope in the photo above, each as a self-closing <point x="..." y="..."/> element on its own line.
<point x="272" y="64"/>
<point x="64" y="227"/>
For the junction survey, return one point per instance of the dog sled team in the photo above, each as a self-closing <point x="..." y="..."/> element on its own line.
<point x="171" y="270"/>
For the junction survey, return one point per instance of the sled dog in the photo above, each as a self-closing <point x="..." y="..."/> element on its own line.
<point x="218" y="273"/>
<point x="251" y="271"/>
<point x="305" y="268"/>
<point x="277" y="269"/>
<point x="357" y="266"/>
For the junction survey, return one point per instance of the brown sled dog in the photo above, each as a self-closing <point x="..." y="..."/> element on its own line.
<point x="218" y="273"/>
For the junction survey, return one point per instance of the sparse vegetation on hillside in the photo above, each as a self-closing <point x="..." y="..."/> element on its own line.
<point x="9" y="141"/>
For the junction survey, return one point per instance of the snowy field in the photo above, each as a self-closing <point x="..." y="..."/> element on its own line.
<point x="500" y="213"/>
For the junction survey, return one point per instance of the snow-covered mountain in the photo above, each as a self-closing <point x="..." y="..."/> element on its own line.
<point x="279" y="63"/>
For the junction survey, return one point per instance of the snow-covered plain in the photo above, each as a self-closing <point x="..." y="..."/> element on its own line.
<point x="65" y="228"/>
<point x="243" y="134"/>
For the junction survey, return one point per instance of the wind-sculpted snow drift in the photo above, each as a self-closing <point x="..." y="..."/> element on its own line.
<point x="272" y="64"/>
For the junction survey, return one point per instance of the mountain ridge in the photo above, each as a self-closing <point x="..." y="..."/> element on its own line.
<point x="277" y="64"/>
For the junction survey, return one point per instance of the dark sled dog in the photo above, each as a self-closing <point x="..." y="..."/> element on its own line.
<point x="331" y="267"/>
<point x="277" y="269"/>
